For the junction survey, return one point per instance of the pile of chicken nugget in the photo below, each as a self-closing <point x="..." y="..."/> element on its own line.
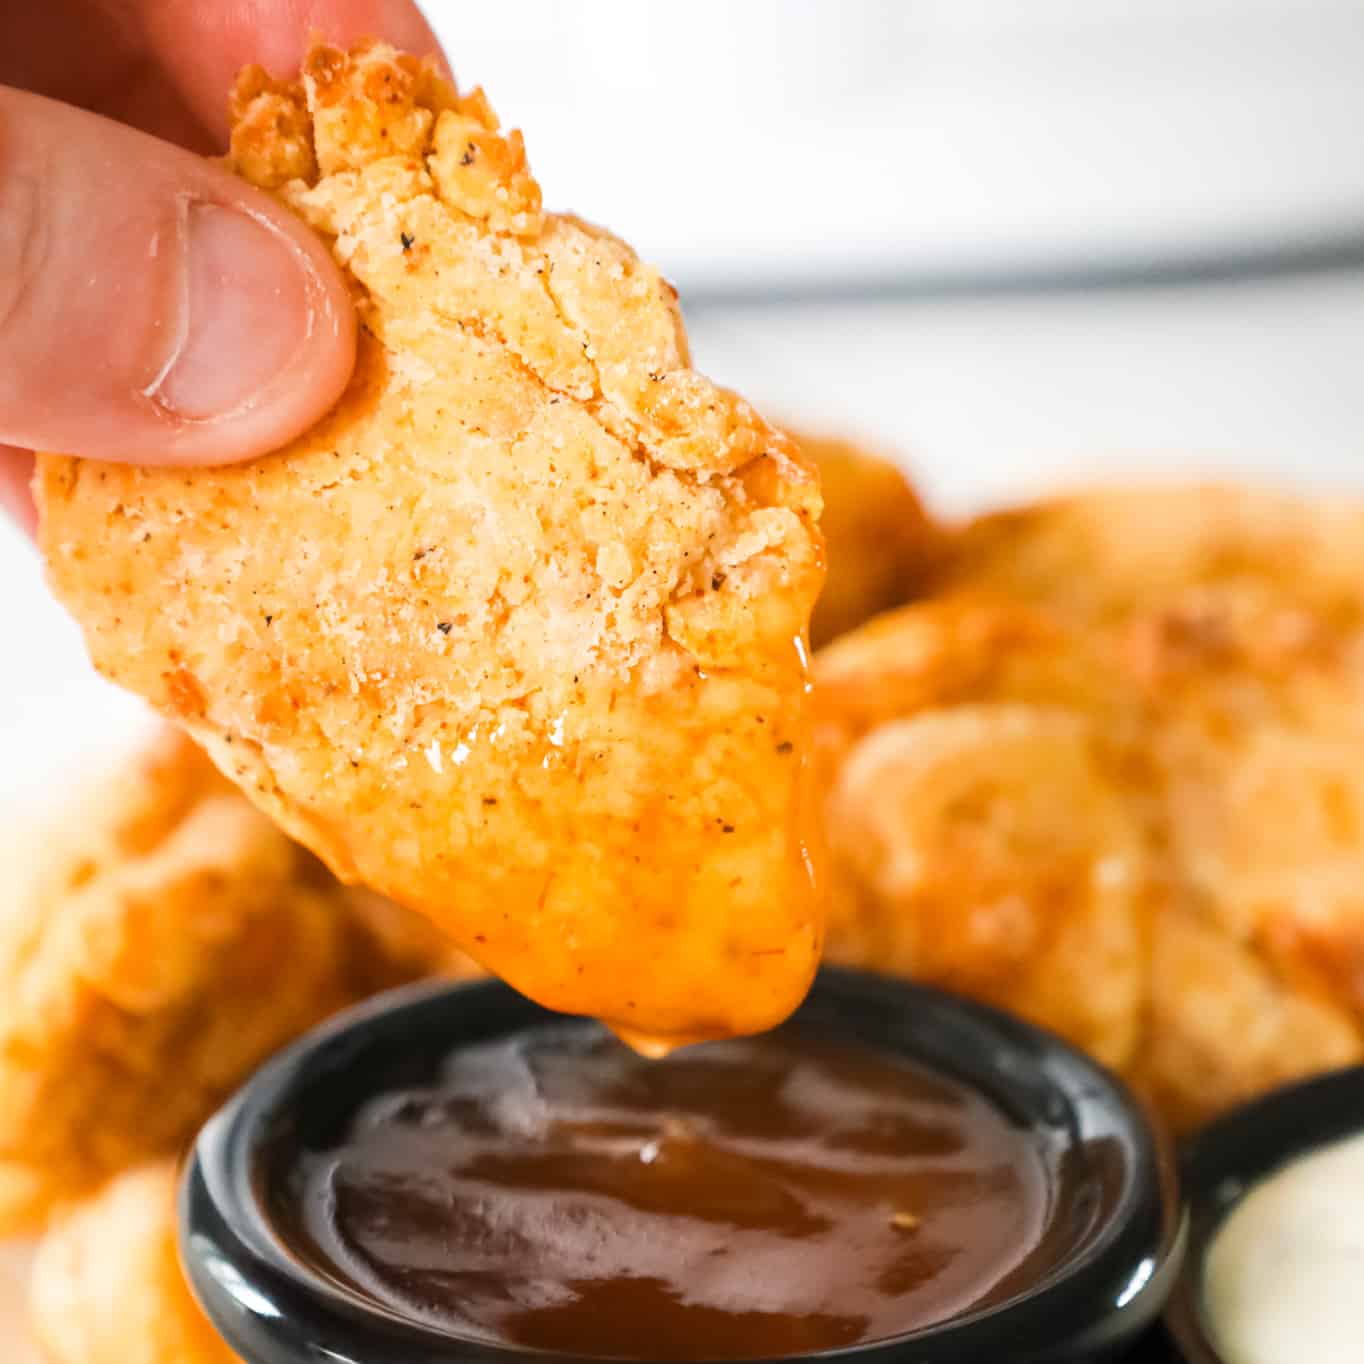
<point x="1099" y="761"/>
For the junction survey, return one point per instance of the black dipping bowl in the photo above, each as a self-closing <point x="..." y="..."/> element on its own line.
<point x="1230" y="1156"/>
<point x="1117" y="1236"/>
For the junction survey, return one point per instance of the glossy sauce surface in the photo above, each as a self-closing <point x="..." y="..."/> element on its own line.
<point x="747" y="1198"/>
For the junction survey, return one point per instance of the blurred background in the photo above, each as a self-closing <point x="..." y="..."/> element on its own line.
<point x="1020" y="244"/>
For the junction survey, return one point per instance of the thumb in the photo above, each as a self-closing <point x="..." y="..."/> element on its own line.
<point x="153" y="307"/>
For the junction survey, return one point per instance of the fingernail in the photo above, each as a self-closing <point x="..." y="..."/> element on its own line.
<point x="249" y="298"/>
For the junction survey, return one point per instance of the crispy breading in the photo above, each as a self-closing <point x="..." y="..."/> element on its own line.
<point x="1238" y="615"/>
<point x="1222" y="1026"/>
<point x="978" y="834"/>
<point x="963" y="647"/>
<point x="1260" y="703"/>
<point x="107" y="1286"/>
<point x="1107" y="554"/>
<point x="879" y="538"/>
<point x="161" y="938"/>
<point x="513" y="635"/>
<point x="1231" y="620"/>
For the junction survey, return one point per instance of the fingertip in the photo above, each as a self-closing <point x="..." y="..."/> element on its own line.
<point x="201" y="323"/>
<point x="204" y="46"/>
<point x="16" y="488"/>
<point x="280" y="45"/>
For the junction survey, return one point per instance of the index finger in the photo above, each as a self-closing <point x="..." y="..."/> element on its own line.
<point x="16" y="498"/>
<point x="201" y="47"/>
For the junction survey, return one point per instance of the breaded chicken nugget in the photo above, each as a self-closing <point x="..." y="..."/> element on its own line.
<point x="107" y="1286"/>
<point x="978" y="834"/>
<point x="963" y="647"/>
<point x="1234" y="619"/>
<point x="1259" y="699"/>
<point x="1222" y="1026"/>
<point x="880" y="540"/>
<point x="1239" y="616"/>
<point x="1108" y="554"/>
<point x="159" y="942"/>
<point x="513" y="635"/>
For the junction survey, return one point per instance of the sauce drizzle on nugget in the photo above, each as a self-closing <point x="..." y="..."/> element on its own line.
<point x="515" y="635"/>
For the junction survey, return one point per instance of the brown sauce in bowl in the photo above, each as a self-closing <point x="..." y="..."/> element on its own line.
<point x="756" y="1197"/>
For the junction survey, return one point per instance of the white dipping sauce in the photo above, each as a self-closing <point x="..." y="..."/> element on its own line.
<point x="1284" y="1278"/>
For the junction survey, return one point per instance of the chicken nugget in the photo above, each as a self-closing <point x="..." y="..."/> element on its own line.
<point x="1235" y="617"/>
<point x="163" y="937"/>
<point x="978" y="832"/>
<point x="953" y="648"/>
<point x="1259" y="737"/>
<point x="879" y="538"/>
<point x="1107" y="554"/>
<point x="107" y="1287"/>
<point x="1222" y="1027"/>
<point x="514" y="635"/>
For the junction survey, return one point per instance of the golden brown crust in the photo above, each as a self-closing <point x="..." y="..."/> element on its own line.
<point x="978" y="834"/>
<point x="1109" y="554"/>
<point x="879" y="539"/>
<point x="1223" y="650"/>
<point x="1237" y="615"/>
<point x="272" y="141"/>
<point x="161" y="938"/>
<point x="959" y="647"/>
<point x="107" y="1286"/>
<point x="1259" y="698"/>
<point x="1224" y="1027"/>
<point x="511" y="634"/>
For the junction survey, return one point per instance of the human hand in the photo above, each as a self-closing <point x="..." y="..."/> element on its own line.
<point x="153" y="307"/>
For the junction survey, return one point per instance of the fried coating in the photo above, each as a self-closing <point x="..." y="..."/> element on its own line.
<point x="513" y="635"/>
<point x="1233" y="622"/>
<point x="978" y="835"/>
<point x="107" y="1286"/>
<point x="1137" y="824"/>
<point x="1223" y="1027"/>
<point x="161" y="939"/>
<point x="1239" y="616"/>
<point x="963" y="647"/>
<point x="1258" y="692"/>
<point x="879" y="538"/>
<point x="1109" y="554"/>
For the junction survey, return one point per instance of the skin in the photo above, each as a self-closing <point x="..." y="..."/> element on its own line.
<point x="151" y="304"/>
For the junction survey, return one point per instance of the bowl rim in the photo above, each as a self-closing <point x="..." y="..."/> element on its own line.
<point x="1224" y="1160"/>
<point x="273" y="1306"/>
